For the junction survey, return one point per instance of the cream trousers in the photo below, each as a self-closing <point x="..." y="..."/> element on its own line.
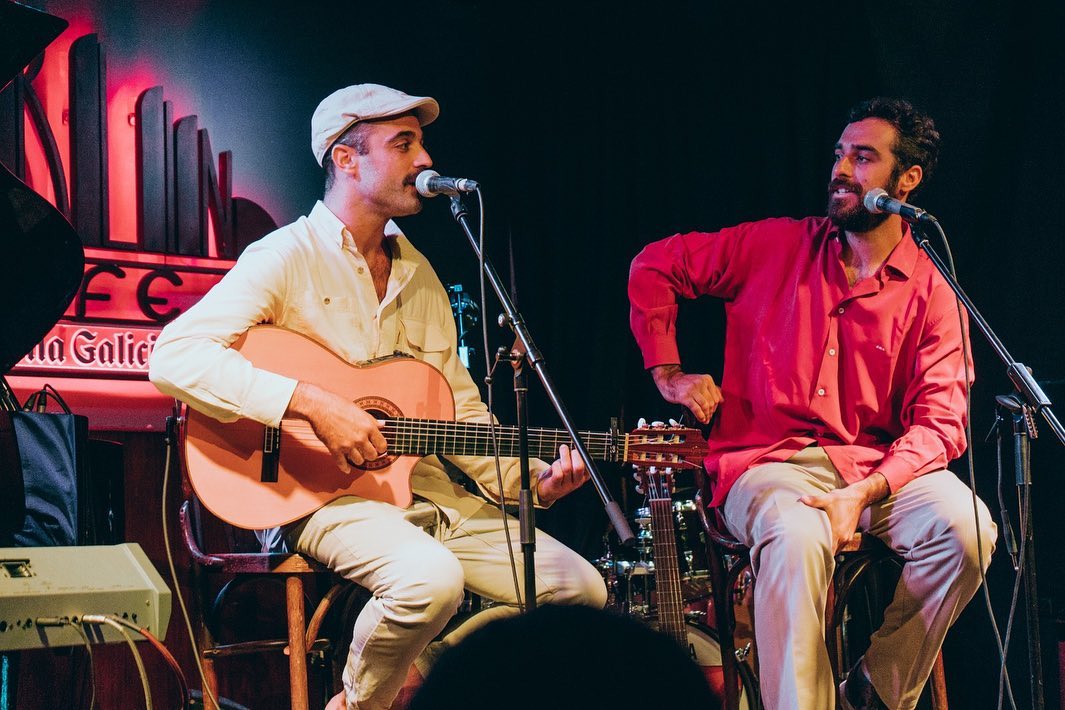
<point x="416" y="566"/>
<point x="929" y="522"/>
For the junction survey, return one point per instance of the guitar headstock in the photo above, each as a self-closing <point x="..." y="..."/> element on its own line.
<point x="658" y="450"/>
<point x="665" y="446"/>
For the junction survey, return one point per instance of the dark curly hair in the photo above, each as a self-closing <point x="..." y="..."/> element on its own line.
<point x="918" y="140"/>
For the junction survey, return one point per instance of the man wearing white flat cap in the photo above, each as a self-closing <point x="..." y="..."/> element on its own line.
<point x="347" y="277"/>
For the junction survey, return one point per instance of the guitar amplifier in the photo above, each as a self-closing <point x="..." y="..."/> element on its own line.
<point x="41" y="584"/>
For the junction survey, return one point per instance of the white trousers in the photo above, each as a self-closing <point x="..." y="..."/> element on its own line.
<point x="416" y="566"/>
<point x="930" y="522"/>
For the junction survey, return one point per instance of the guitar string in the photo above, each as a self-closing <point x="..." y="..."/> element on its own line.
<point x="665" y="548"/>
<point x="413" y="434"/>
<point x="402" y="445"/>
<point x="431" y="427"/>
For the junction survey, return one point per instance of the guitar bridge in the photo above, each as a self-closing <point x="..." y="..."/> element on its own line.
<point x="271" y="454"/>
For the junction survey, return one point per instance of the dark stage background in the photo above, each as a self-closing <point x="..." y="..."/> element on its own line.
<point x="598" y="128"/>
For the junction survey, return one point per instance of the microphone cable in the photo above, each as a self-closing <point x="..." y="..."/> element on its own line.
<point x="488" y="380"/>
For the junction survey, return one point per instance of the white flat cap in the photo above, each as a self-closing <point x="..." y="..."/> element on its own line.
<point x="363" y="102"/>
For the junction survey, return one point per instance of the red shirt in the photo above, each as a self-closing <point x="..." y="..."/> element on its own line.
<point x="873" y="373"/>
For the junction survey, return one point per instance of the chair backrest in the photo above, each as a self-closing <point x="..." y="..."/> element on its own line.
<point x="715" y="528"/>
<point x="238" y="562"/>
<point x="217" y="545"/>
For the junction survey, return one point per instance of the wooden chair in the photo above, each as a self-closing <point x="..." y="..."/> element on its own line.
<point x="303" y="637"/>
<point x="858" y="569"/>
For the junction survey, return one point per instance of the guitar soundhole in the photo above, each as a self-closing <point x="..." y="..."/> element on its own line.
<point x="379" y="408"/>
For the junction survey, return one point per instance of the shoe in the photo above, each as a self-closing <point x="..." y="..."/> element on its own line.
<point x="857" y="691"/>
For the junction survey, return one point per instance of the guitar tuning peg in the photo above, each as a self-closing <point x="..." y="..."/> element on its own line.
<point x="657" y="425"/>
<point x="642" y="424"/>
<point x="674" y="422"/>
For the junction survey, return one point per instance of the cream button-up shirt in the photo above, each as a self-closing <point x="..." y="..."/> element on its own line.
<point x="309" y="277"/>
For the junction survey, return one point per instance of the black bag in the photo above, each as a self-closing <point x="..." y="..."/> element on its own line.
<point x="51" y="450"/>
<point x="12" y="492"/>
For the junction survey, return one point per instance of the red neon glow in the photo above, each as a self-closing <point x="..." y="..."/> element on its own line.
<point x="102" y="365"/>
<point x="52" y="87"/>
<point x="124" y="85"/>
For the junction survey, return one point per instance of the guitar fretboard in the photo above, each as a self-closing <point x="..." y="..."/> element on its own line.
<point x="434" y="436"/>
<point x="667" y="570"/>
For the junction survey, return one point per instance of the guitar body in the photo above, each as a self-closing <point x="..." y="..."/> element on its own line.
<point x="254" y="476"/>
<point x="231" y="469"/>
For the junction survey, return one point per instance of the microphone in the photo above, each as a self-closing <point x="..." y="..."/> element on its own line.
<point x="877" y="200"/>
<point x="429" y="183"/>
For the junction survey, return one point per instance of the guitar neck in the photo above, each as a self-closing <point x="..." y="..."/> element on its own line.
<point x="667" y="571"/>
<point x="433" y="436"/>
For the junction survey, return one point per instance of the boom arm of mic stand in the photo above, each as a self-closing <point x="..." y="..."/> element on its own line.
<point x="1019" y="375"/>
<point x="536" y="360"/>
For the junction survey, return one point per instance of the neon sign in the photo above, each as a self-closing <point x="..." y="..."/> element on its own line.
<point x="189" y="228"/>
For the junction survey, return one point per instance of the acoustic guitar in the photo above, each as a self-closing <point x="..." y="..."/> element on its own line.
<point x="254" y="476"/>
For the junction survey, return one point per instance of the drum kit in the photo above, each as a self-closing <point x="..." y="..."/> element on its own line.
<point x="664" y="581"/>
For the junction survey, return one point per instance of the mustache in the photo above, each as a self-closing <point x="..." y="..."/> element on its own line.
<point x="839" y="182"/>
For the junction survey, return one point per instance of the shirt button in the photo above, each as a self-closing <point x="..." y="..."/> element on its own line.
<point x="361" y="270"/>
<point x="821" y="391"/>
<point x="841" y="309"/>
<point x="831" y="351"/>
<point x="325" y="300"/>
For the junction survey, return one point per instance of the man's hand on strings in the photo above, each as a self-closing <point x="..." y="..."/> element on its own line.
<point x="350" y="433"/>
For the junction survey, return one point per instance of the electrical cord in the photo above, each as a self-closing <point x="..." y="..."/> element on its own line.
<point x="1003" y="677"/>
<point x="110" y="621"/>
<point x="966" y="355"/>
<point x="183" y="686"/>
<point x="53" y="621"/>
<point x="491" y="410"/>
<point x="174" y="578"/>
<point x="92" y="665"/>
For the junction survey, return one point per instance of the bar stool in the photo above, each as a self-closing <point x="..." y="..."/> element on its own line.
<point x="858" y="568"/>
<point x="304" y="638"/>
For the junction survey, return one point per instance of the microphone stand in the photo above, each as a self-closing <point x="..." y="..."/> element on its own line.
<point x="535" y="358"/>
<point x="1032" y="397"/>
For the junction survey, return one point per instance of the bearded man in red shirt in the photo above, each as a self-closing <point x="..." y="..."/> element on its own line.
<point x="843" y="399"/>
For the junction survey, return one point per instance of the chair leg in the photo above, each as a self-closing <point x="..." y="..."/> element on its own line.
<point x="211" y="681"/>
<point x="939" y="684"/>
<point x="297" y="645"/>
<point x="205" y="640"/>
<point x="720" y="579"/>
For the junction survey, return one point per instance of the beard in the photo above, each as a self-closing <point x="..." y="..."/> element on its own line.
<point x="855" y="218"/>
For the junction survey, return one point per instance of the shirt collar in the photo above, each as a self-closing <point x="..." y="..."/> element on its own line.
<point x="329" y="226"/>
<point x="903" y="257"/>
